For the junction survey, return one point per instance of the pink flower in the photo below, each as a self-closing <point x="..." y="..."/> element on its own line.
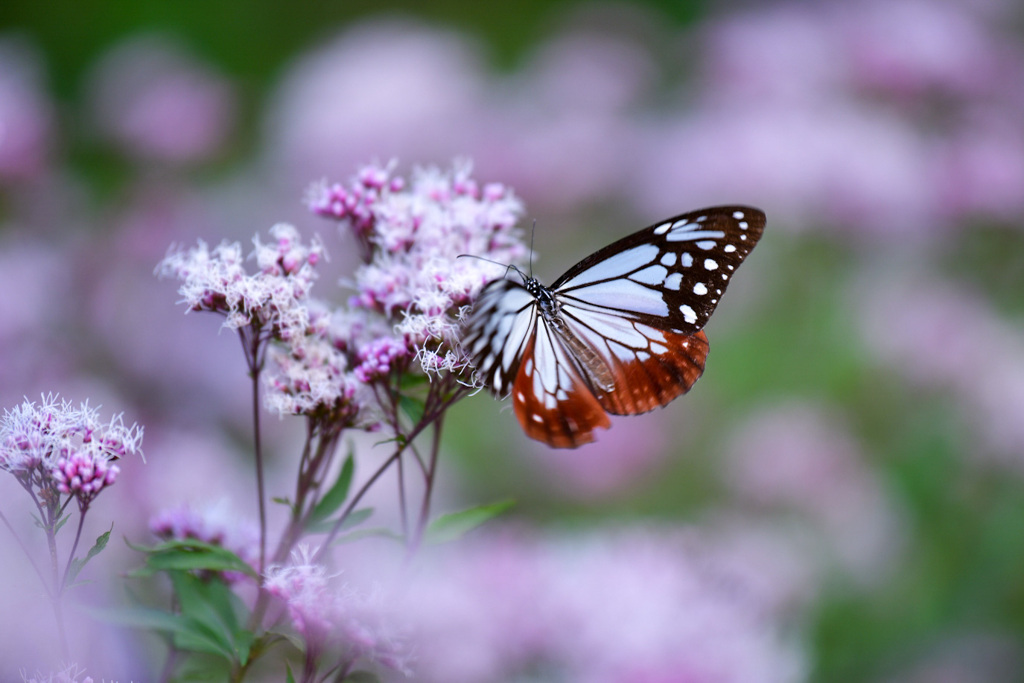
<point x="216" y="280"/>
<point x="26" y="115"/>
<point x="54" y="444"/>
<point x="378" y="358"/>
<point x="939" y="336"/>
<point x="413" y="235"/>
<point x="158" y="103"/>
<point x="800" y="458"/>
<point x="330" y="615"/>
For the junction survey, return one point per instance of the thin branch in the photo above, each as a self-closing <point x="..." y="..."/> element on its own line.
<point x="74" y="549"/>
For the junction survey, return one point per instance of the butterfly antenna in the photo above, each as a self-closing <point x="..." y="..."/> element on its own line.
<point x="506" y="266"/>
<point x="533" y="231"/>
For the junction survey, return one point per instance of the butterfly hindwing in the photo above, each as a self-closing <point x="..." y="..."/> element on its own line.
<point x="551" y="400"/>
<point x="647" y="367"/>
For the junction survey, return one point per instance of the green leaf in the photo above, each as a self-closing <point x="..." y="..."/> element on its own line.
<point x="355" y="518"/>
<point x="290" y="678"/>
<point x="413" y="407"/>
<point x="214" y="615"/>
<point x="453" y="525"/>
<point x="190" y="554"/>
<point x="337" y="494"/>
<point x="411" y="380"/>
<point x="96" y="549"/>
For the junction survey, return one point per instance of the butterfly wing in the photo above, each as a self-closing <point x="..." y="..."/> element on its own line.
<point x="639" y="304"/>
<point x="499" y="332"/>
<point x="515" y="351"/>
<point x="627" y="336"/>
<point x="551" y="400"/>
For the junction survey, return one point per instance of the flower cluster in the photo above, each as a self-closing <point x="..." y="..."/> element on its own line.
<point x="53" y="445"/>
<point x="622" y="605"/>
<point x="274" y="297"/>
<point x="330" y="615"/>
<point x="412" y="236"/>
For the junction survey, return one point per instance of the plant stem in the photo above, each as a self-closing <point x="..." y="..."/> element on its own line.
<point x="251" y="344"/>
<point x="74" y="549"/>
<point x="421" y="524"/>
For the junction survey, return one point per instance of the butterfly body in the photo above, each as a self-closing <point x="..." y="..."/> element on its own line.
<point x="621" y="332"/>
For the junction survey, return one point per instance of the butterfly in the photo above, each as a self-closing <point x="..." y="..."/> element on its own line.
<point x="619" y="333"/>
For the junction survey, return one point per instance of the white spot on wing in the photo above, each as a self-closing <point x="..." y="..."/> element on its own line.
<point x="710" y="264"/>
<point x="700" y="288"/>
<point x="729" y="248"/>
<point x="669" y="259"/>
<point x="686" y="260"/>
<point x="652" y="275"/>
<point x="693" y="235"/>
<point x="662" y="229"/>
<point x="737" y="215"/>
<point x="688" y="314"/>
<point x="673" y="281"/>
<point x="707" y="244"/>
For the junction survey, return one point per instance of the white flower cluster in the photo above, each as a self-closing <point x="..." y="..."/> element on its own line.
<point x="69" y="448"/>
<point x="216" y="280"/>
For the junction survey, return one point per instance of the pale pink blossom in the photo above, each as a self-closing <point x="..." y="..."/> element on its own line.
<point x="26" y="113"/>
<point x="800" y="458"/>
<point x="53" y="444"/>
<point x="332" y="617"/>
<point x="158" y="103"/>
<point x="618" y="606"/>
<point x="944" y="337"/>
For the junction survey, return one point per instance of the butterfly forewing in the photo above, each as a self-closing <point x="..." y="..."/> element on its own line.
<point x="620" y="332"/>
<point x="670" y="275"/>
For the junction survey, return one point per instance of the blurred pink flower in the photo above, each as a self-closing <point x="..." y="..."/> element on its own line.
<point x="910" y="48"/>
<point x="825" y="118"/>
<point x="800" y="458"/>
<point x="940" y="336"/>
<point x="566" y="129"/>
<point x="331" y="616"/>
<point x="620" y="606"/>
<point x="613" y="465"/>
<point x="26" y="113"/>
<point x="382" y="89"/>
<point x="158" y="103"/>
